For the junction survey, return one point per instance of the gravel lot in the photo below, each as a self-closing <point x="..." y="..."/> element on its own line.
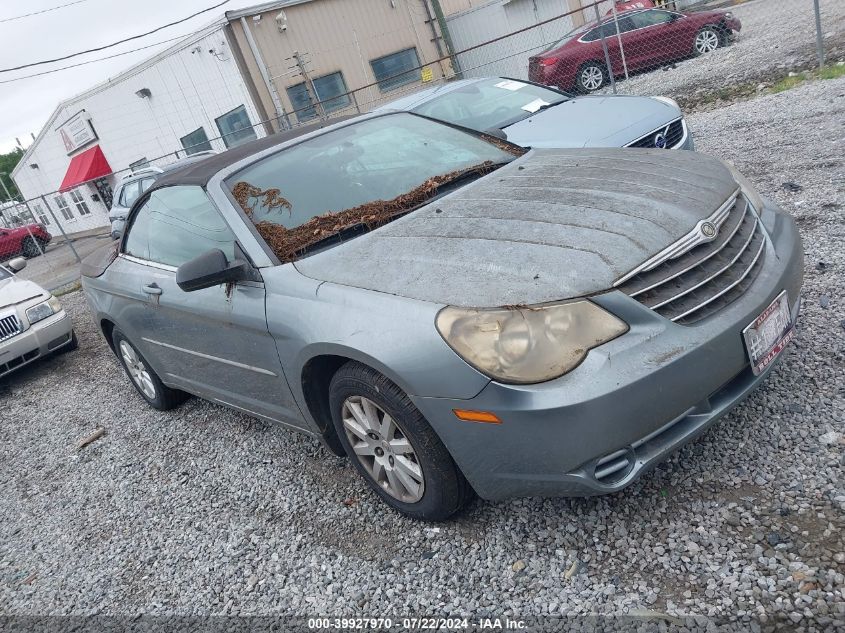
<point x="204" y="511"/>
<point x="777" y="36"/>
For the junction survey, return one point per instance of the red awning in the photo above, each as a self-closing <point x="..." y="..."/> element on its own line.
<point x="89" y="165"/>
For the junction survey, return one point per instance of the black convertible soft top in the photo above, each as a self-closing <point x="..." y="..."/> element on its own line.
<point x="200" y="172"/>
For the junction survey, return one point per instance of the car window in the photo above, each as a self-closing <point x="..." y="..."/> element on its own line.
<point x="650" y="18"/>
<point x="146" y="183"/>
<point x="4" y="274"/>
<point x="175" y="224"/>
<point x="129" y="194"/>
<point x="488" y="104"/>
<point x="370" y="161"/>
<point x="608" y="29"/>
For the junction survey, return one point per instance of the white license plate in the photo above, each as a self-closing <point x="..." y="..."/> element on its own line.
<point x="768" y="334"/>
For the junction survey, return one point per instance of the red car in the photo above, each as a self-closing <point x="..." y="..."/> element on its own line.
<point x="25" y="240"/>
<point x="650" y="38"/>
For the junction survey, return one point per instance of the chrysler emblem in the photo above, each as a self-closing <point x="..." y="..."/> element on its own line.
<point x="660" y="140"/>
<point x="708" y="229"/>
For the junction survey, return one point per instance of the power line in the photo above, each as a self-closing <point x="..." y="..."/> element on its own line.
<point x="128" y="39"/>
<point x="92" y="61"/>
<point x="28" y="15"/>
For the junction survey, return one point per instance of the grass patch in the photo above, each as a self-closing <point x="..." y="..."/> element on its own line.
<point x="772" y="85"/>
<point x="787" y="83"/>
<point x="828" y="72"/>
<point x="832" y="72"/>
<point x="66" y="290"/>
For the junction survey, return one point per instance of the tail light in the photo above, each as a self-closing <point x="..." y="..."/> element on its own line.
<point x="547" y="61"/>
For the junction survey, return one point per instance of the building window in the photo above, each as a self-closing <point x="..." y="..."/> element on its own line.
<point x="139" y="164"/>
<point x="396" y="69"/>
<point x="42" y="216"/>
<point x="67" y="214"/>
<point x="79" y="201"/>
<point x="196" y="141"/>
<point x="235" y="127"/>
<point x="331" y="90"/>
<point x="301" y="102"/>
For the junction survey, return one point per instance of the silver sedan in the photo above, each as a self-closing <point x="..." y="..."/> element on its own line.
<point x="457" y="314"/>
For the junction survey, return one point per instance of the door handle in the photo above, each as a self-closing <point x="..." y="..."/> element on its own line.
<point x="151" y="289"/>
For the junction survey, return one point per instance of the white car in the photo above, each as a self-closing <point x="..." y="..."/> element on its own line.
<point x="136" y="183"/>
<point x="33" y="323"/>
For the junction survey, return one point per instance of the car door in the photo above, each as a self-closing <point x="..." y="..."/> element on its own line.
<point x="213" y="342"/>
<point x="614" y="32"/>
<point x="661" y="37"/>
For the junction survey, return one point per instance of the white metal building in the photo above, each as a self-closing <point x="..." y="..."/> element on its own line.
<point x="178" y="102"/>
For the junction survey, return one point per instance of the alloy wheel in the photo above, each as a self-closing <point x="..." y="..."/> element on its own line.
<point x="706" y="41"/>
<point x="383" y="449"/>
<point x="137" y="370"/>
<point x="592" y="78"/>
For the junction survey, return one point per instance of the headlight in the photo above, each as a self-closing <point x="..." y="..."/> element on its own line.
<point x="528" y="344"/>
<point x="43" y="310"/>
<point x="668" y="101"/>
<point x="747" y="188"/>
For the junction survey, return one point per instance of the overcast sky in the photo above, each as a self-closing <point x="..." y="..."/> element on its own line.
<point x="26" y="105"/>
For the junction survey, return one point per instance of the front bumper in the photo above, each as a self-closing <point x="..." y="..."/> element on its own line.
<point x="45" y="337"/>
<point x="629" y="404"/>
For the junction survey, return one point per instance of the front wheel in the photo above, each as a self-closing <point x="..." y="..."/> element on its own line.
<point x="30" y="248"/>
<point x="393" y="447"/>
<point x="591" y="77"/>
<point x="707" y="40"/>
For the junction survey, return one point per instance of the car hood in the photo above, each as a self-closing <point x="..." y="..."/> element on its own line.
<point x="592" y="121"/>
<point x="14" y="291"/>
<point x="554" y="224"/>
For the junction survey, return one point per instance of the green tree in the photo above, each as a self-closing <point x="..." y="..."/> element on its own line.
<point x="7" y="163"/>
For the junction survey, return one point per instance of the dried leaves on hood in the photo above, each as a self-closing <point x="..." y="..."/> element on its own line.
<point x="288" y="244"/>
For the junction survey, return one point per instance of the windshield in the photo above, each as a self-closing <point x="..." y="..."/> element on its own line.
<point x="490" y="104"/>
<point x="367" y="172"/>
<point x="4" y="274"/>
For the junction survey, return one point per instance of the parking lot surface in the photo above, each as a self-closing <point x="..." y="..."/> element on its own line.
<point x="58" y="266"/>
<point x="205" y="511"/>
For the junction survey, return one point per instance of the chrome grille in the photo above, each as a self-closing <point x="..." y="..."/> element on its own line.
<point x="672" y="135"/>
<point x="702" y="280"/>
<point x="9" y="326"/>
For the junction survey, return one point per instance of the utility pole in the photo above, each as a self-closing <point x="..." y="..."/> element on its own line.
<point x="309" y="85"/>
<point x="447" y="37"/>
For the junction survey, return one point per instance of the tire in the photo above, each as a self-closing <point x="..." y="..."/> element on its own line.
<point x="707" y="40"/>
<point x="422" y="481"/>
<point x="29" y="248"/>
<point x="591" y="76"/>
<point x="143" y="378"/>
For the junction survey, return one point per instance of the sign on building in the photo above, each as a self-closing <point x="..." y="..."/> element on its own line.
<point x="77" y="131"/>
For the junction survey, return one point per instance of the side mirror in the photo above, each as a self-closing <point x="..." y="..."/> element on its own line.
<point x="17" y="264"/>
<point x="674" y="16"/>
<point x="210" y="269"/>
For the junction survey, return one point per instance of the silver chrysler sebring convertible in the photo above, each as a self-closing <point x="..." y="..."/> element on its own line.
<point x="457" y="314"/>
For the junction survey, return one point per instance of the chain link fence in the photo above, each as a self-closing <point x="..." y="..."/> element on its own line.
<point x="689" y="50"/>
